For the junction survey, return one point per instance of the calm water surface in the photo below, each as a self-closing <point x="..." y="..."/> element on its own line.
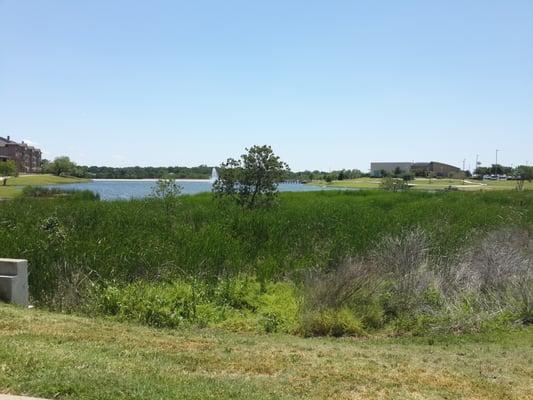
<point x="121" y="189"/>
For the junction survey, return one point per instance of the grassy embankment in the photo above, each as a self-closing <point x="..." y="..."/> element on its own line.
<point x="68" y="357"/>
<point x="429" y="184"/>
<point x="15" y="185"/>
<point x="212" y="264"/>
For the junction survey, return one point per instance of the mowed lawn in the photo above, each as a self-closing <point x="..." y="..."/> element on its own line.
<point x="68" y="357"/>
<point x="430" y="184"/>
<point x="14" y="185"/>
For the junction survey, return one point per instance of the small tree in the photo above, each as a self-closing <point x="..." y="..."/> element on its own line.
<point x="393" y="184"/>
<point x="168" y="191"/>
<point x="7" y="169"/>
<point x="523" y="173"/>
<point x="253" y="180"/>
<point x="408" y="176"/>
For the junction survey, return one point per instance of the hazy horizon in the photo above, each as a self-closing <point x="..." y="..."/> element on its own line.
<point x="329" y="85"/>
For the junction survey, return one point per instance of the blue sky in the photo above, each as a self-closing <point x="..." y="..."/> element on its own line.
<point x="329" y="84"/>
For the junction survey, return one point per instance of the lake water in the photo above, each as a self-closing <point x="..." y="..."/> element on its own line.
<point x="115" y="189"/>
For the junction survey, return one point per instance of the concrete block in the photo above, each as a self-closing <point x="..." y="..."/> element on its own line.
<point x="14" y="281"/>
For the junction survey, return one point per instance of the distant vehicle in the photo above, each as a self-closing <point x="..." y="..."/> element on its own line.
<point x="496" y="177"/>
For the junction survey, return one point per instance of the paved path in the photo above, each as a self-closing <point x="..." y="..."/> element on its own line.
<point x="11" y="397"/>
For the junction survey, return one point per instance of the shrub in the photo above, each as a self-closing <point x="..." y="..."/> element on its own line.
<point x="331" y="322"/>
<point x="39" y="191"/>
<point x="163" y="305"/>
<point x="393" y="184"/>
<point x="237" y="304"/>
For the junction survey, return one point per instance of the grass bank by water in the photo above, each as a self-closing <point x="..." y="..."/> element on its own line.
<point x="15" y="185"/>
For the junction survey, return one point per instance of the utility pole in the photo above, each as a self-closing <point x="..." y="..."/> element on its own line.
<point x="464" y="162"/>
<point x="497" y="156"/>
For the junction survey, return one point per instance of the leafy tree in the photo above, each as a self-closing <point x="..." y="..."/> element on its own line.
<point x="397" y="171"/>
<point x="61" y="166"/>
<point x="168" y="191"/>
<point x="523" y="173"/>
<point x="408" y="176"/>
<point x="393" y="184"/>
<point x="7" y="169"/>
<point x="45" y="164"/>
<point x="253" y="179"/>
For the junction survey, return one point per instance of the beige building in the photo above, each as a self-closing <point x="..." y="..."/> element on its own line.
<point x="378" y="169"/>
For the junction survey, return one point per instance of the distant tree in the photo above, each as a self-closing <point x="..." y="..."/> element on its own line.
<point x="168" y="191"/>
<point x="393" y="184"/>
<point x="328" y="178"/>
<point x="480" y="171"/>
<point x="7" y="169"/>
<point x="341" y="176"/>
<point x="497" y="169"/>
<point x="61" y="166"/>
<point x="522" y="174"/>
<point x="253" y="179"/>
<point x="45" y="164"/>
<point x="408" y="176"/>
<point x="397" y="171"/>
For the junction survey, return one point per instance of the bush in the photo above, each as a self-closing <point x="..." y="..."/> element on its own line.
<point x="164" y="305"/>
<point x="39" y="191"/>
<point x="393" y="184"/>
<point x="399" y="285"/>
<point x="330" y="322"/>
<point x="237" y="304"/>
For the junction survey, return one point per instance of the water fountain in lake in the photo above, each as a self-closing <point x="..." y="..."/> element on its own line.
<point x="214" y="175"/>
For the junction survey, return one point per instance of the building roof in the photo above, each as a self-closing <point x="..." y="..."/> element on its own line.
<point x="6" y="140"/>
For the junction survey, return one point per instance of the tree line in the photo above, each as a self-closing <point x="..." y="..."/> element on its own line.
<point x="64" y="166"/>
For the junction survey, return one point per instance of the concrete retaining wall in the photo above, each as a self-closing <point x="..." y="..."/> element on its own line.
<point x="14" y="281"/>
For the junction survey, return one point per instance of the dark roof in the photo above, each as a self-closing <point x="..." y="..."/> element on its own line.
<point x="5" y="140"/>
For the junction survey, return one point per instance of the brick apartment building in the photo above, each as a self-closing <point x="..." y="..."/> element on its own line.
<point x="27" y="158"/>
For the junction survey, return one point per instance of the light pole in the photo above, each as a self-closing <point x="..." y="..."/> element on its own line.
<point x="497" y="156"/>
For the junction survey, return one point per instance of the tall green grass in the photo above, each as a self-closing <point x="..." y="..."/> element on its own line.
<point x="126" y="241"/>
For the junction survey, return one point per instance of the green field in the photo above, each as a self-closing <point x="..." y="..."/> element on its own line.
<point x="68" y="357"/>
<point x="14" y="186"/>
<point x="430" y="184"/>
